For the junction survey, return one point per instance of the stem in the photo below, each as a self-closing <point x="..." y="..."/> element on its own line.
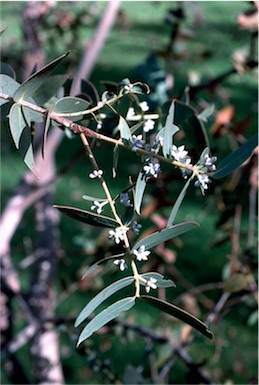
<point x="136" y="277"/>
<point x="77" y="128"/>
<point x="91" y="110"/>
<point x="103" y="183"/>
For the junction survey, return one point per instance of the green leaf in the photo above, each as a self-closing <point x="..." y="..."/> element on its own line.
<point x="178" y="204"/>
<point x="161" y="282"/>
<point x="48" y="89"/>
<point x="140" y="88"/>
<point x="70" y="104"/>
<point x="234" y="160"/>
<point x="169" y="130"/>
<point x="31" y="85"/>
<point x="106" y="316"/>
<point x="179" y="313"/>
<point x="98" y="263"/>
<point x="186" y="119"/>
<point x="139" y="191"/>
<point x="92" y="199"/>
<point x="124" y="129"/>
<point x="136" y="126"/>
<point x="123" y="106"/>
<point x="164" y="235"/>
<point x="45" y="132"/>
<point x="101" y="297"/>
<point x="205" y="114"/>
<point x="8" y="86"/>
<point x="129" y="211"/>
<point x="6" y="69"/>
<point x="88" y="217"/>
<point x="19" y="123"/>
<point x="19" y="118"/>
<point x="116" y="152"/>
<point x="26" y="149"/>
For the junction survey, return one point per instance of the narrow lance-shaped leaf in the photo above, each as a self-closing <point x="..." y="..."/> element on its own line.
<point x="139" y="191"/>
<point x="178" y="204"/>
<point x="106" y="316"/>
<point x="31" y="85"/>
<point x="116" y="152"/>
<point x="92" y="199"/>
<point x="161" y="281"/>
<point x="88" y="217"/>
<point x="234" y="160"/>
<point x="136" y="126"/>
<point x="101" y="297"/>
<point x="169" y="131"/>
<point x="98" y="263"/>
<point x="124" y="130"/>
<point x="164" y="235"/>
<point x="45" y="133"/>
<point x="177" y="312"/>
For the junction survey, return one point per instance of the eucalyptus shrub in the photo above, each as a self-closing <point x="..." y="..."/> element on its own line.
<point x="150" y="136"/>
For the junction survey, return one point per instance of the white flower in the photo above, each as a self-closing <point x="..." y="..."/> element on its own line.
<point x="209" y="162"/>
<point x="117" y="235"/>
<point x="141" y="253"/>
<point x="137" y="142"/>
<point x="144" y="106"/>
<point x="179" y="153"/>
<point x="121" y="263"/>
<point x="130" y="113"/>
<point x="96" y="174"/>
<point x="151" y="169"/>
<point x="203" y="180"/>
<point x="99" y="125"/>
<point x="151" y="284"/>
<point x="98" y="206"/>
<point x="148" y="125"/>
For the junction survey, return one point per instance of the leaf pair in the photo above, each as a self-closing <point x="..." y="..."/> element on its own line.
<point x="113" y="311"/>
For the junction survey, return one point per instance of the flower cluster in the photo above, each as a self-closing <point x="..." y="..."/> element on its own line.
<point x="202" y="181"/>
<point x="137" y="142"/>
<point x="208" y="165"/>
<point x="209" y="162"/>
<point x="117" y="235"/>
<point x="136" y="227"/>
<point x="181" y="155"/>
<point x="125" y="199"/>
<point x="151" y="169"/>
